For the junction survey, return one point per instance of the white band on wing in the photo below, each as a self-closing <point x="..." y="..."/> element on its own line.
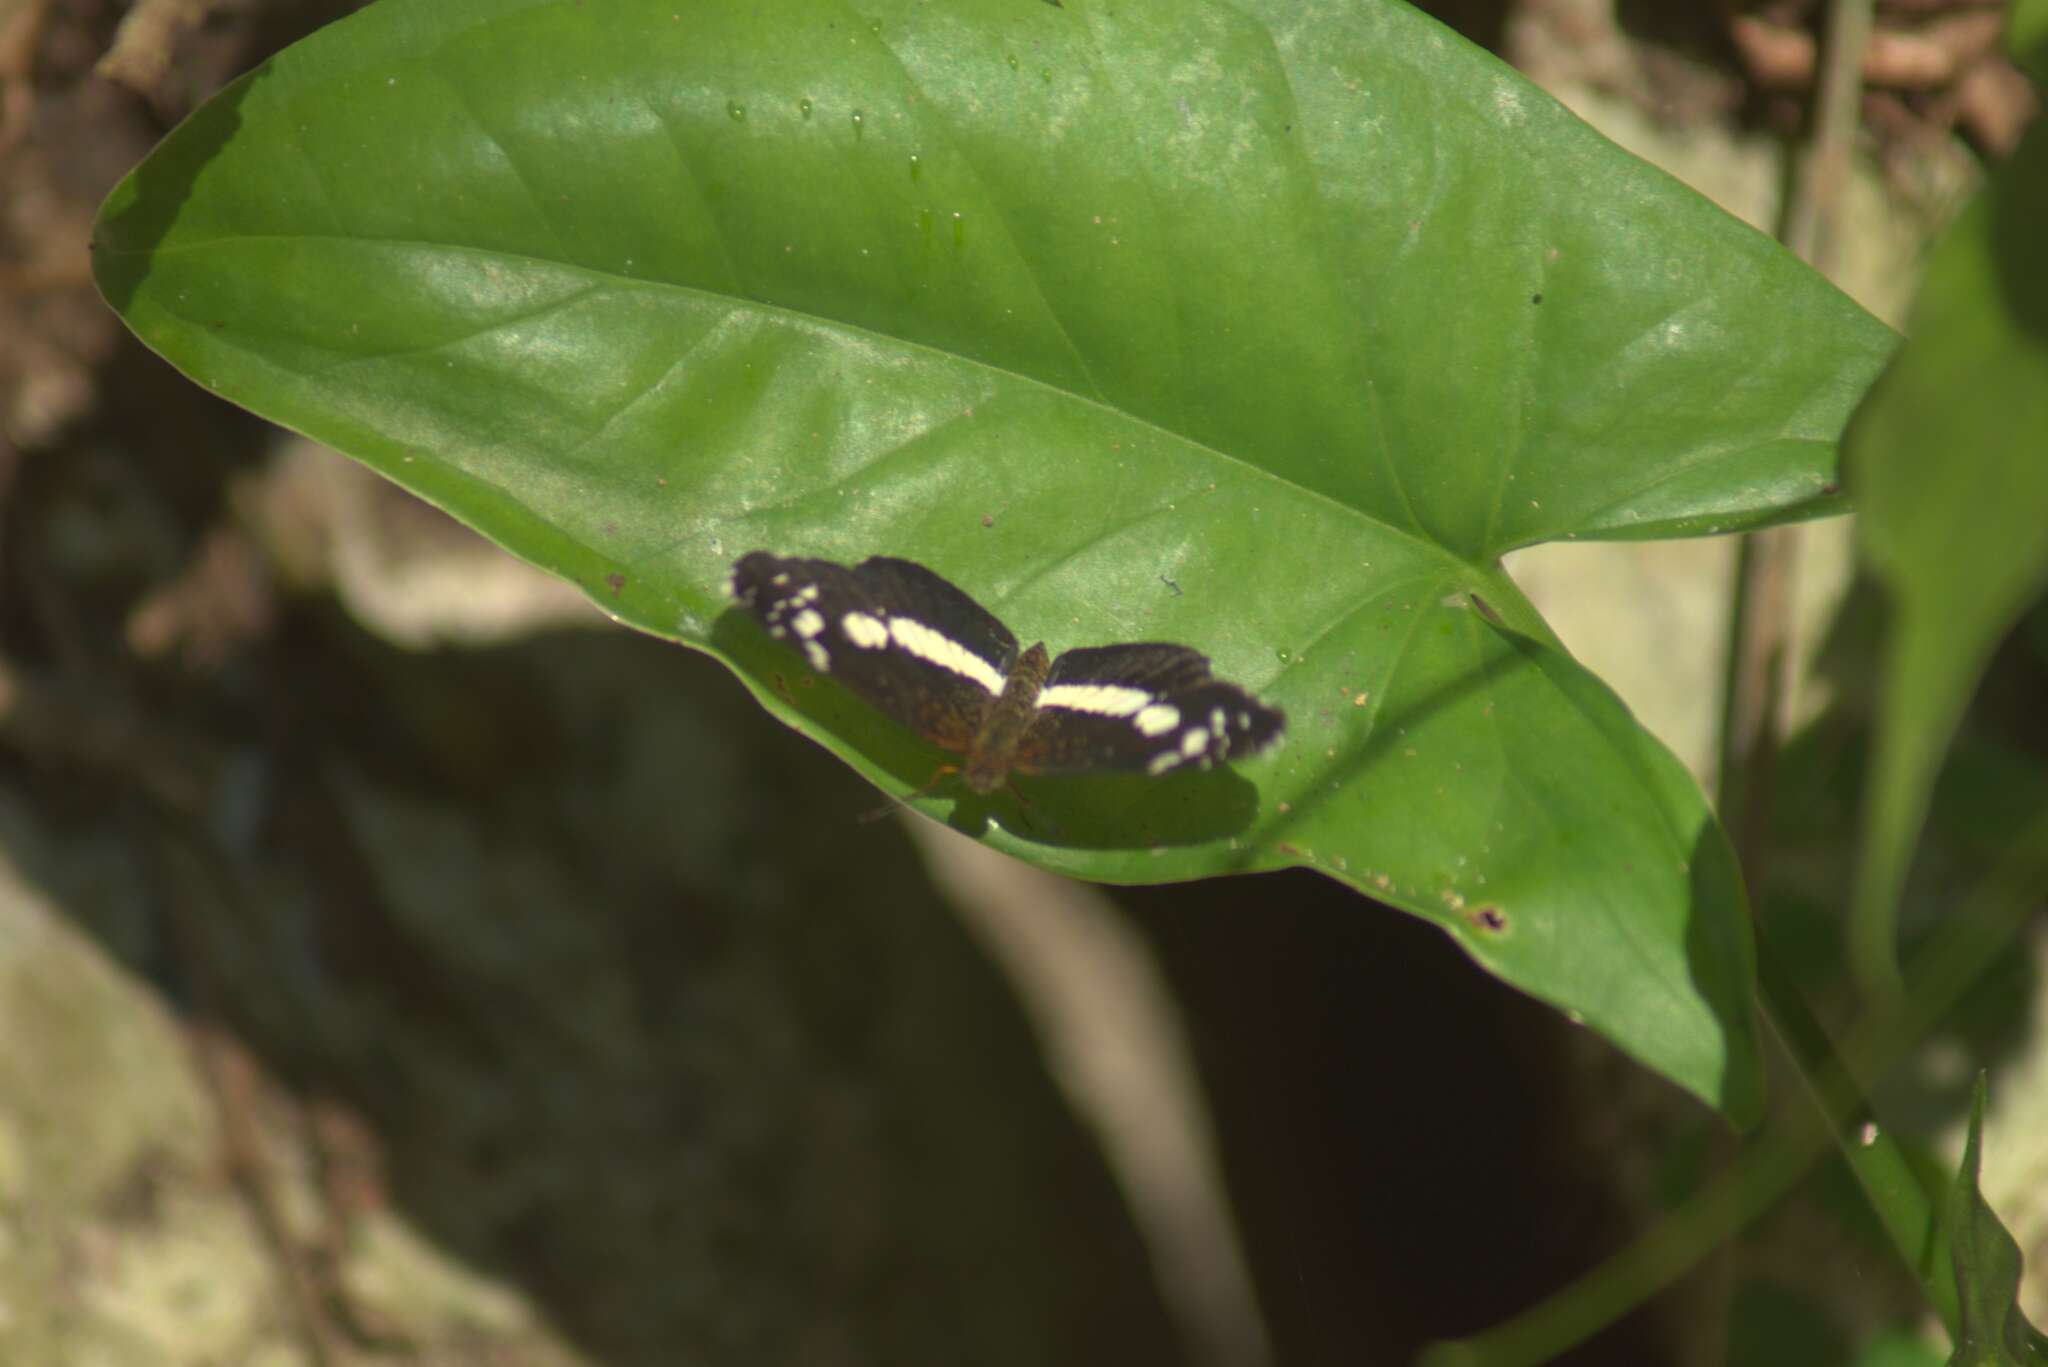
<point x="1104" y="700"/>
<point x="920" y="640"/>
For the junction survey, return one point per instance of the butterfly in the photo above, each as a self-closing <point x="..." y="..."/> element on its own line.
<point x="924" y="654"/>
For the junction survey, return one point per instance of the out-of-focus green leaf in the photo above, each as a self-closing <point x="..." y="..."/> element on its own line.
<point x="1263" y="326"/>
<point x="1993" y="1332"/>
<point x="1949" y="464"/>
<point x="2026" y="37"/>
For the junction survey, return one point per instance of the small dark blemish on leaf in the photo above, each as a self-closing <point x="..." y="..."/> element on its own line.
<point x="1170" y="584"/>
<point x="1487" y="918"/>
<point x="615" y="582"/>
<point x="1831" y="487"/>
<point x="1486" y="609"/>
<point x="1291" y="850"/>
<point x="988" y="519"/>
<point x="1536" y="298"/>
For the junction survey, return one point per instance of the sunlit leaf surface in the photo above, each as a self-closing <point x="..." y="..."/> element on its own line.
<point x="1263" y="327"/>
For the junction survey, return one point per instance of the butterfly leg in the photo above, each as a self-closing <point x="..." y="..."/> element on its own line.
<point x="944" y="772"/>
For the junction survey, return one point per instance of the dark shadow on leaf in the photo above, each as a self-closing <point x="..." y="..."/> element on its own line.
<point x="1133" y="811"/>
<point x="1390" y="723"/>
<point x="1720" y="955"/>
<point x="125" y="241"/>
<point x="1716" y="877"/>
<point x="1720" y="971"/>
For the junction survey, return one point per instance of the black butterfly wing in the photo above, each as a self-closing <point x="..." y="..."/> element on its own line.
<point x="1153" y="665"/>
<point x="1148" y="708"/>
<point x="910" y="644"/>
<point x="938" y="603"/>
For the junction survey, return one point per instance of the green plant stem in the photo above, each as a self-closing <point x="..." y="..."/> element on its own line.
<point x="1808" y="229"/>
<point x="1755" y="690"/>
<point x="1766" y="1168"/>
<point x="1974" y="935"/>
<point x="1761" y="1173"/>
<point x="1904" y="762"/>
<point x="1758" y="678"/>
<point x="1833" y="1081"/>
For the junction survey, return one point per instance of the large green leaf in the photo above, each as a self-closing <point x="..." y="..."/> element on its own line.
<point x="1263" y="326"/>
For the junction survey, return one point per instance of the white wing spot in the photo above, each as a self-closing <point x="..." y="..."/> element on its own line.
<point x="1161" y="763"/>
<point x="778" y="580"/>
<point x="1157" y="719"/>
<point x="1244" y="721"/>
<point x="1216" y="720"/>
<point x="1104" y="700"/>
<point x="808" y="623"/>
<point x="808" y="593"/>
<point x="928" y="645"/>
<point x="1194" y="742"/>
<point x="864" y="631"/>
<point x="820" y="661"/>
